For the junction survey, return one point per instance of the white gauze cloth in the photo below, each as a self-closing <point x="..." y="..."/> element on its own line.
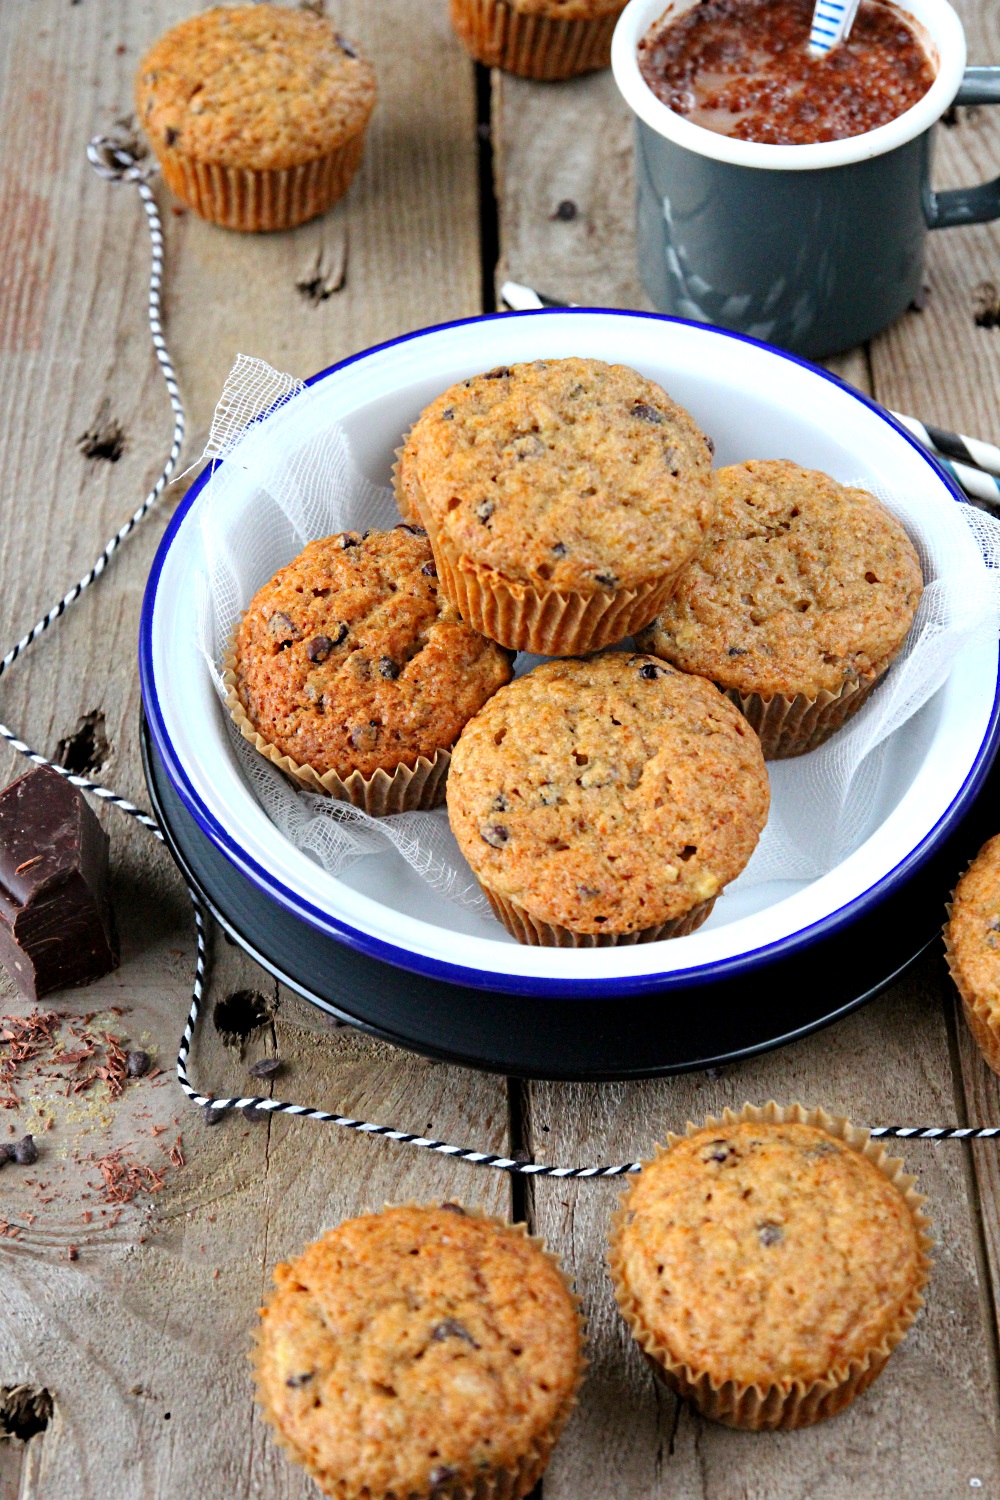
<point x="306" y="485"/>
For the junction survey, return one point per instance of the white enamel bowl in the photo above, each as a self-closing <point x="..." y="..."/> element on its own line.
<point x="756" y="402"/>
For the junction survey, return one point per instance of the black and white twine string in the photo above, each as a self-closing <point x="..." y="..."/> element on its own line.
<point x="115" y="162"/>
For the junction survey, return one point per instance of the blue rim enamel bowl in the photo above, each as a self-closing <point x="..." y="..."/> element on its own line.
<point x="756" y="402"/>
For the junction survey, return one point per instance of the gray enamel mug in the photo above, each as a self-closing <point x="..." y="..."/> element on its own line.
<point x="813" y="248"/>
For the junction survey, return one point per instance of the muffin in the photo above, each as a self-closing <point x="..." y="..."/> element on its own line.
<point x="972" y="948"/>
<point x="541" y="39"/>
<point x="353" y="674"/>
<point x="606" y="801"/>
<point x="420" y="1351"/>
<point x="256" y="113"/>
<point x="562" y="498"/>
<point x="800" y="599"/>
<point x="768" y="1263"/>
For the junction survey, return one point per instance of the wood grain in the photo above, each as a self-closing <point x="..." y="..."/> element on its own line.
<point x="142" y="1339"/>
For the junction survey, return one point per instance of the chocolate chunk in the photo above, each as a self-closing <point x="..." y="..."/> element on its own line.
<point x="737" y="651"/>
<point x="25" y="1151"/>
<point x="319" y="649"/>
<point x="494" y="834"/>
<point x="451" y="1329"/>
<point x="349" y="539"/>
<point x="606" y="580"/>
<point x="448" y="415"/>
<point x="364" y="736"/>
<point x="137" y="1064"/>
<point x="171" y="136"/>
<point x="366" y="534"/>
<point x="649" y="670"/>
<point x="430" y="568"/>
<point x="413" y="530"/>
<point x="344" y="46"/>
<point x="296" y="1382"/>
<point x="770" y="1233"/>
<point x="587" y="890"/>
<point x="484" y="510"/>
<point x="647" y="413"/>
<point x="57" y="928"/>
<point x="281" y="627"/>
<point x="388" y="668"/>
<point x="559" y="549"/>
<point x="498" y="374"/>
<point x="565" y="211"/>
<point x="454" y="1208"/>
<point x="499" y="803"/>
<point x="266" y="1067"/>
<point x="710" y="445"/>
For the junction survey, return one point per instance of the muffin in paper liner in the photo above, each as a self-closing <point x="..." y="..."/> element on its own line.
<point x="790" y="1402"/>
<point x="536" y="933"/>
<point x="501" y="1483"/>
<point x="406" y="789"/>
<point x="982" y="1017"/>
<point x="519" y="616"/>
<point x="791" y="726"/>
<point x="531" y="44"/>
<point x="254" y="200"/>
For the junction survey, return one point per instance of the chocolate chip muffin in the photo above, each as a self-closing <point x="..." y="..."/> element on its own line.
<point x="256" y="113"/>
<point x="768" y="1263"/>
<point x="606" y="801"/>
<point x="972" y="948"/>
<point x="540" y="39"/>
<point x="420" y="1352"/>
<point x="796" y="605"/>
<point x="353" y="673"/>
<point x="561" y="497"/>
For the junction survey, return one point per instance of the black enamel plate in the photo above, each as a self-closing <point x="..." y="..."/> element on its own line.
<point x="708" y="1026"/>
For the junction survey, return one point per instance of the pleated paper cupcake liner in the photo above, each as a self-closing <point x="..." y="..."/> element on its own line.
<point x="790" y="1402"/>
<point x="791" y="726"/>
<point x="414" y="788"/>
<point x="981" y="1018"/>
<point x="493" y="1484"/>
<point x="533" y="932"/>
<point x="517" y="615"/>
<point x="245" y="199"/>
<point x="531" y="45"/>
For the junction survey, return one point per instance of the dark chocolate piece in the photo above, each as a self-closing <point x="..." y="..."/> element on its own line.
<point x="57" y="928"/>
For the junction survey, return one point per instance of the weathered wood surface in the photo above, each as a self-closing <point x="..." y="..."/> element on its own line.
<point x="929" y="1425"/>
<point x="140" y="1341"/>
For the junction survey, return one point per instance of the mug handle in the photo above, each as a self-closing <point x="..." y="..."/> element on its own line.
<point x="969" y="205"/>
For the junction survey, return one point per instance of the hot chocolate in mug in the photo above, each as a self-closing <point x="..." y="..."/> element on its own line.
<point x="813" y="247"/>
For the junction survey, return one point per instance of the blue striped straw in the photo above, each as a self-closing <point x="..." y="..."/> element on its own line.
<point x="832" y="20"/>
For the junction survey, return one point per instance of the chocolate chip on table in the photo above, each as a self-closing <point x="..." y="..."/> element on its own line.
<point x="281" y="627"/>
<point x="430" y="568"/>
<point x="440" y="1474"/>
<point x="494" y="834"/>
<point x="212" y="1115"/>
<point x="484" y="510"/>
<point x="137" y="1063"/>
<point x="454" y="1208"/>
<point x="265" y="1067"/>
<point x="770" y="1233"/>
<point x="6" y="1154"/>
<point x="647" y="413"/>
<point x="254" y="1113"/>
<point x="296" y="1382"/>
<point x="388" y="668"/>
<point x="565" y="211"/>
<point x="450" y="1328"/>
<point x="25" y="1151"/>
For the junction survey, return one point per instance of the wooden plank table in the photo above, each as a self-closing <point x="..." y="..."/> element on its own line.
<point x="124" y="1325"/>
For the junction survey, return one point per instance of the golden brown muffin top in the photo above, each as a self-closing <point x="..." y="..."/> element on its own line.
<point x="766" y="1253"/>
<point x="255" y="86"/>
<point x="416" y="1346"/>
<point x="802" y="586"/>
<point x="972" y="933"/>
<point x="350" y="659"/>
<point x="568" y="474"/>
<point x="568" y="10"/>
<point x="609" y="794"/>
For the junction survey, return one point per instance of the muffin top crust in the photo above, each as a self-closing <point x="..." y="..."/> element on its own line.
<point x="802" y="586"/>
<point x="766" y="1253"/>
<point x="568" y="10"/>
<point x="350" y="659"/>
<point x="566" y="474"/>
<point x="608" y="794"/>
<point x="973" y="931"/>
<point x="415" y="1347"/>
<point x="256" y="86"/>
